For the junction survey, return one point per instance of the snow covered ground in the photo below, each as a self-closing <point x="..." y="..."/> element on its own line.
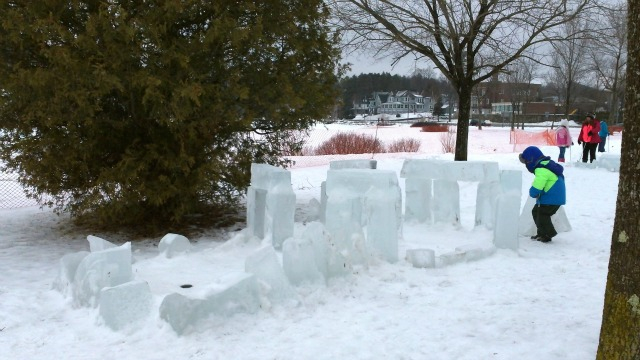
<point x="542" y="302"/>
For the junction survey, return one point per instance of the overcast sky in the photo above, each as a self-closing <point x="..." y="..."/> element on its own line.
<point x="363" y="64"/>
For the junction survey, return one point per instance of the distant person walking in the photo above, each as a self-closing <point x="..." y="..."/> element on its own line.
<point x="603" y="133"/>
<point x="563" y="138"/>
<point x="589" y="138"/>
<point x="547" y="188"/>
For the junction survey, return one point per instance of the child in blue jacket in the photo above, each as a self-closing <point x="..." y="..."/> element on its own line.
<point x="547" y="188"/>
<point x="604" y="132"/>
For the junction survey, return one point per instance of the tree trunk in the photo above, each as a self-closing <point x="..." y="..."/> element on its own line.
<point x="620" y="331"/>
<point x="464" y="112"/>
<point x="613" y="117"/>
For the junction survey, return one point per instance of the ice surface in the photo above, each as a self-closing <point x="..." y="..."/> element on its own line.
<point x="511" y="181"/>
<point x="172" y="245"/>
<point x="125" y="304"/>
<point x="100" y="269"/>
<point x="358" y="198"/>
<point x="99" y="244"/>
<point x="344" y="223"/>
<point x="237" y="292"/>
<point x="256" y="208"/>
<point x="418" y="200"/>
<point x="299" y="262"/>
<point x="264" y="176"/>
<point x="67" y="271"/>
<point x="445" y="205"/>
<point x="337" y="165"/>
<point x="464" y="253"/>
<point x="323" y="202"/>
<point x="277" y="218"/>
<point x="421" y="258"/>
<point x="328" y="259"/>
<point x="281" y="207"/>
<point x="273" y="284"/>
<point x="451" y="257"/>
<point x="487" y="194"/>
<point x="481" y="171"/>
<point x="384" y="223"/>
<point x="313" y="212"/>
<point x="474" y="252"/>
<point x="446" y="202"/>
<point x="610" y="162"/>
<point x="359" y="181"/>
<point x="321" y="241"/>
<point x="353" y="164"/>
<point x="505" y="228"/>
<point x="527" y="226"/>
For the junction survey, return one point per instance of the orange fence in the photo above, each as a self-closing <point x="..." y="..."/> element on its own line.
<point x="522" y="138"/>
<point x="615" y="129"/>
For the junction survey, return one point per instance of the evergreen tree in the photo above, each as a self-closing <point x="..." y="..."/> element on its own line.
<point x="139" y="111"/>
<point x="437" y="108"/>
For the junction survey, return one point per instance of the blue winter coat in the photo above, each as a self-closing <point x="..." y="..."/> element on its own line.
<point x="604" y="130"/>
<point x="547" y="188"/>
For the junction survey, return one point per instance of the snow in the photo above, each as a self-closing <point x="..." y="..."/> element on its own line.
<point x="543" y="301"/>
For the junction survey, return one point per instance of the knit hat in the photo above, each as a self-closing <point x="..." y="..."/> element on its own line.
<point x="564" y="122"/>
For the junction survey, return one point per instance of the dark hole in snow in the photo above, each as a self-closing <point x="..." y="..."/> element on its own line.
<point x="186" y="286"/>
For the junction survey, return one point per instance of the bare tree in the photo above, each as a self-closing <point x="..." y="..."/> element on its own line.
<point x="609" y="54"/>
<point x="478" y="99"/>
<point x="569" y="61"/>
<point x="520" y="76"/>
<point x="467" y="40"/>
<point x="619" y="337"/>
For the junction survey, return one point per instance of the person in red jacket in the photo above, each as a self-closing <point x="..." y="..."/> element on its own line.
<point x="589" y="138"/>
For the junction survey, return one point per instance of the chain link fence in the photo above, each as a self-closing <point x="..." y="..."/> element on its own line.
<point x="12" y="193"/>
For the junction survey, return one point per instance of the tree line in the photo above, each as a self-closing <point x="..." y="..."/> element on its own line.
<point x="356" y="88"/>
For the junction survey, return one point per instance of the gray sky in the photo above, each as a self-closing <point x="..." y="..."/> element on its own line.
<point x="363" y="64"/>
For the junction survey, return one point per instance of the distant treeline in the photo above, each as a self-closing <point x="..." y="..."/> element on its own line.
<point x="359" y="87"/>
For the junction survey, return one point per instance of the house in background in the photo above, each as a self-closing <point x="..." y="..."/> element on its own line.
<point x="401" y="102"/>
<point x="492" y="97"/>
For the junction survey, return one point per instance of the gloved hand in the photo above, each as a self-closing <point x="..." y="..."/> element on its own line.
<point x="579" y="142"/>
<point x="590" y="133"/>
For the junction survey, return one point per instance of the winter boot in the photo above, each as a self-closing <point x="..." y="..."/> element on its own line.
<point x="544" y="239"/>
<point x="560" y="159"/>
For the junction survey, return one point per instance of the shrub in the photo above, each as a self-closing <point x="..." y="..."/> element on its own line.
<point x="350" y="143"/>
<point x="448" y="140"/>
<point x="404" y="145"/>
<point x="152" y="115"/>
<point x="435" y="128"/>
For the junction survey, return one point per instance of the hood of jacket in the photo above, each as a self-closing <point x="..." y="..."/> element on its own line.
<point x="532" y="156"/>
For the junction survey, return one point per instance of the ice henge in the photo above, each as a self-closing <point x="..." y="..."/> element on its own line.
<point x="360" y="223"/>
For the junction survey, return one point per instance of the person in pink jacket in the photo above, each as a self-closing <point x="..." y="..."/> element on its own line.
<point x="589" y="138"/>
<point x="563" y="138"/>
